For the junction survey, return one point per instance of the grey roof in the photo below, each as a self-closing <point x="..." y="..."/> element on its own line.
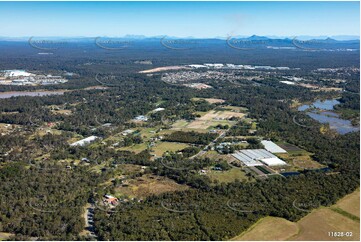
<point x="252" y="157"/>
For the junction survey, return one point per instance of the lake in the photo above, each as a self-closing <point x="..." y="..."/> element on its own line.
<point x="324" y="105"/>
<point x="30" y="94"/>
<point x="342" y="126"/>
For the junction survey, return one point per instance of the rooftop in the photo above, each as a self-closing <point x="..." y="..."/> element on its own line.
<point x="272" y="147"/>
<point x="257" y="157"/>
<point x="84" y="141"/>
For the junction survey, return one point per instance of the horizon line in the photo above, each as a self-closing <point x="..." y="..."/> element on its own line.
<point x="341" y="37"/>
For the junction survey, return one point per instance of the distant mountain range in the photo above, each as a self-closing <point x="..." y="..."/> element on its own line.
<point x="142" y="37"/>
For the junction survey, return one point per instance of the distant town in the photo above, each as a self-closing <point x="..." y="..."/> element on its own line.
<point x="24" y="78"/>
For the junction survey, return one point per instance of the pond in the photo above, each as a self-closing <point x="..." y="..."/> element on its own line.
<point x="317" y="111"/>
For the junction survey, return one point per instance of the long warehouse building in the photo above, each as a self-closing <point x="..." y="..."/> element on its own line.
<point x="272" y="147"/>
<point x="258" y="157"/>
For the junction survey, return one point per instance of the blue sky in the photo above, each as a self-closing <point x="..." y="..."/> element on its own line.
<point x="182" y="19"/>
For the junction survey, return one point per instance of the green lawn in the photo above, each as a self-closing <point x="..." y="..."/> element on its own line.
<point x="180" y="124"/>
<point x="148" y="132"/>
<point x="136" y="148"/>
<point x="162" y="147"/>
<point x="227" y="176"/>
<point x="254" y="126"/>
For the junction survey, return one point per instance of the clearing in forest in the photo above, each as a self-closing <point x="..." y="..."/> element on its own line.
<point x="164" y="68"/>
<point x="210" y="100"/>
<point x="210" y="119"/>
<point x="160" y="148"/>
<point x="147" y="185"/>
<point x="227" y="176"/>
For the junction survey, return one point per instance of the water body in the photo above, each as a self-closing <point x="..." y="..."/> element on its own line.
<point x="30" y="94"/>
<point x="324" y="105"/>
<point x="342" y="126"/>
<point x="290" y="173"/>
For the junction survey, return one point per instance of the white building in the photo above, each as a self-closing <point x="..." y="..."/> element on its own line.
<point x="17" y="73"/>
<point x="197" y="66"/>
<point x="272" y="147"/>
<point x="141" y="118"/>
<point x="84" y="141"/>
<point x="282" y="68"/>
<point x="231" y="66"/>
<point x="158" y="109"/>
<point x="214" y="65"/>
<point x="126" y="132"/>
<point x="258" y="157"/>
<point x="273" y="161"/>
<point x="288" y="82"/>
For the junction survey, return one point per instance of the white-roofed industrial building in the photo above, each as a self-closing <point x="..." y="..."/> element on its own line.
<point x="85" y="141"/>
<point x="272" y="147"/>
<point x="273" y="161"/>
<point x="246" y="160"/>
<point x="258" y="157"/>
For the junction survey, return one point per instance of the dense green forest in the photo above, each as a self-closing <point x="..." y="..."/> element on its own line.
<point x="190" y="137"/>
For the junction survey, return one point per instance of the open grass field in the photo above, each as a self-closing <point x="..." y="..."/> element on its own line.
<point x="227" y="176"/>
<point x="210" y="119"/>
<point x="137" y="148"/>
<point x="180" y="124"/>
<point x="213" y="114"/>
<point x="7" y="128"/>
<point x="350" y="203"/>
<point x="269" y="228"/>
<point x="319" y="222"/>
<point x="147" y="133"/>
<point x="206" y="124"/>
<point x="162" y="147"/>
<point x="214" y="155"/>
<point x="315" y="226"/>
<point x="4" y="236"/>
<point x="62" y="112"/>
<point x="146" y="185"/>
<point x="210" y="100"/>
